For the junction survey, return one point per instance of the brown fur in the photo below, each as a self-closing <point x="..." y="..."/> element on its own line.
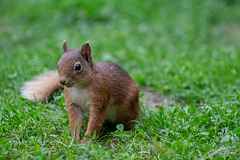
<point x="104" y="89"/>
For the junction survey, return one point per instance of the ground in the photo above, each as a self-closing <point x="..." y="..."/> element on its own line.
<point x="185" y="51"/>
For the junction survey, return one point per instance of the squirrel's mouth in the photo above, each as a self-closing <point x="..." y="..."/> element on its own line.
<point x="68" y="85"/>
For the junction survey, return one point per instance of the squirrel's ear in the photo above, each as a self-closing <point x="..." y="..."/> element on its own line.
<point x="86" y="49"/>
<point x="86" y="52"/>
<point x="65" y="48"/>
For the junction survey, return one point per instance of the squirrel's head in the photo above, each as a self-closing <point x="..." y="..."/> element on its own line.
<point x="75" y="65"/>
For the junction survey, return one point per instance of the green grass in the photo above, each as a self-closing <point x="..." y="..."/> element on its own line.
<point x="187" y="50"/>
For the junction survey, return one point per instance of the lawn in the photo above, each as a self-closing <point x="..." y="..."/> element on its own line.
<point x="188" y="51"/>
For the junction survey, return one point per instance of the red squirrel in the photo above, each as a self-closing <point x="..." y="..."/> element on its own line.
<point x="104" y="90"/>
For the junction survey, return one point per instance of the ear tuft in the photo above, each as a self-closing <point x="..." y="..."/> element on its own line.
<point x="86" y="52"/>
<point x="86" y="49"/>
<point x="65" y="48"/>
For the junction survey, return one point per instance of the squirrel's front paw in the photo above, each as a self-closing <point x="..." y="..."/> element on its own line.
<point x="85" y="140"/>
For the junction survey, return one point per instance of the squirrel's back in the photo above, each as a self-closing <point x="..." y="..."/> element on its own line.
<point x="121" y="84"/>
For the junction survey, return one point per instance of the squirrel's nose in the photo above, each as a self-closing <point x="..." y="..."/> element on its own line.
<point x="62" y="81"/>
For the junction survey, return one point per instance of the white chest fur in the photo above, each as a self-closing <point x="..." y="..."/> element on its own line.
<point x="81" y="98"/>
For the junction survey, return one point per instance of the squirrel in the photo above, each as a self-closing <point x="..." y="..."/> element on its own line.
<point x="104" y="90"/>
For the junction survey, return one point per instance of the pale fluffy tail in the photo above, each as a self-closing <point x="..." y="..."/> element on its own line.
<point x="41" y="87"/>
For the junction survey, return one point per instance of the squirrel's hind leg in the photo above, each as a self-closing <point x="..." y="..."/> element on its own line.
<point x="128" y="113"/>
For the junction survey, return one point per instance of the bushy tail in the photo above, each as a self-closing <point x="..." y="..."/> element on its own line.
<point x="41" y="87"/>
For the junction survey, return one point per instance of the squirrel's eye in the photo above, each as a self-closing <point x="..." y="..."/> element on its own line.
<point x="78" y="67"/>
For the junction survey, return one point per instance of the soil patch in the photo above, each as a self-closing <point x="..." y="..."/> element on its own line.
<point x="152" y="99"/>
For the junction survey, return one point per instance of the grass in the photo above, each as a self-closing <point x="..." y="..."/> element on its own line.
<point x="187" y="50"/>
